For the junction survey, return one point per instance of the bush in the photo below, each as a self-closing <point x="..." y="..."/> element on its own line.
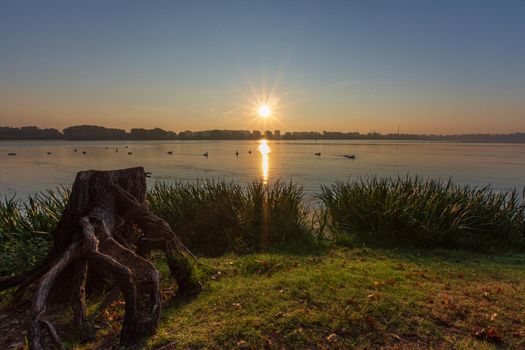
<point x="424" y="213"/>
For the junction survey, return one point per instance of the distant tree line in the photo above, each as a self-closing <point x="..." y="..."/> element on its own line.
<point x="94" y="132"/>
<point x="29" y="133"/>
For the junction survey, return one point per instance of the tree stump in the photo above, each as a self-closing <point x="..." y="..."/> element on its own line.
<point x="105" y="234"/>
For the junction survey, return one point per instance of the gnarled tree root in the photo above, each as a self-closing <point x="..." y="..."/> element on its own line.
<point x="104" y="236"/>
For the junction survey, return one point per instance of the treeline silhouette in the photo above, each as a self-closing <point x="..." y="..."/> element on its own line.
<point x="94" y="132"/>
<point x="29" y="133"/>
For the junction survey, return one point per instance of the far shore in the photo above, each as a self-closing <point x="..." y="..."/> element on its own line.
<point x="307" y="139"/>
<point x="100" y="133"/>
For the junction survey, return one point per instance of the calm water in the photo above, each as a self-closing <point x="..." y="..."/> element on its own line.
<point x="500" y="165"/>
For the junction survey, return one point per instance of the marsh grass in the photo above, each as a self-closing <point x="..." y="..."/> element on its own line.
<point x="26" y="226"/>
<point x="213" y="217"/>
<point x="39" y="213"/>
<point x="424" y="213"/>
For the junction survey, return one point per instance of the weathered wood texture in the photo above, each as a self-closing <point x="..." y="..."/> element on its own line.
<point x="105" y="234"/>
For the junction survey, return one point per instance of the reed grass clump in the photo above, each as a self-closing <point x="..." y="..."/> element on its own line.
<point x="38" y="213"/>
<point x="26" y="227"/>
<point x="424" y="213"/>
<point x="216" y="216"/>
<point x="213" y="217"/>
<point x="277" y="215"/>
<point x="206" y="215"/>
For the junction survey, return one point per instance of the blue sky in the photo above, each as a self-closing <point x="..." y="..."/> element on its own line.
<point x="422" y="66"/>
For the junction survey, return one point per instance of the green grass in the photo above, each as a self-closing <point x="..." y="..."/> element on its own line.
<point x="306" y="292"/>
<point x="345" y="298"/>
<point x="38" y="213"/>
<point x="25" y="228"/>
<point x="210" y="217"/>
<point x="424" y="213"/>
<point x="216" y="216"/>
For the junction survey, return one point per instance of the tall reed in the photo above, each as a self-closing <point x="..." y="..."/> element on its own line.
<point x="206" y="215"/>
<point x="38" y="213"/>
<point x="424" y="213"/>
<point x="215" y="216"/>
<point x="26" y="227"/>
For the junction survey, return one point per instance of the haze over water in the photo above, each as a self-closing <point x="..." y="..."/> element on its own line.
<point x="500" y="165"/>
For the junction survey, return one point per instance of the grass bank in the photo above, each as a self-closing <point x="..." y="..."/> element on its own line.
<point x="343" y="298"/>
<point x="317" y="286"/>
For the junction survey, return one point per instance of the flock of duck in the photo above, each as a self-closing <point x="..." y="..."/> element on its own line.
<point x="349" y="156"/>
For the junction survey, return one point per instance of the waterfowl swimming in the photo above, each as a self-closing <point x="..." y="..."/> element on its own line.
<point x="49" y="152"/>
<point x="318" y="154"/>
<point x="250" y="151"/>
<point x="206" y="154"/>
<point x="130" y="153"/>
<point x="170" y="152"/>
<point x="83" y="152"/>
<point x="11" y="154"/>
<point x="350" y="156"/>
<point x="75" y="150"/>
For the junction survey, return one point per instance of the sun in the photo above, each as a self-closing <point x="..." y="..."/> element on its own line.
<point x="264" y="111"/>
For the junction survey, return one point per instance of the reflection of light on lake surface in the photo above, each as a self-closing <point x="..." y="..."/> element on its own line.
<point x="265" y="150"/>
<point x="502" y="166"/>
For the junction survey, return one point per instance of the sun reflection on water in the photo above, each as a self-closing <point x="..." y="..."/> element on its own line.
<point x="265" y="150"/>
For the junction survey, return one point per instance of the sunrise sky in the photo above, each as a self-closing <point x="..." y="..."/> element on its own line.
<point x="423" y="66"/>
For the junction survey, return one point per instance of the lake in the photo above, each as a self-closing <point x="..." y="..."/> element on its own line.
<point x="501" y="166"/>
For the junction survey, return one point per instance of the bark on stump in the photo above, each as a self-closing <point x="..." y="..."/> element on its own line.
<point x="106" y="231"/>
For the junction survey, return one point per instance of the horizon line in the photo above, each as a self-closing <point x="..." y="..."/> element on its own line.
<point x="371" y="132"/>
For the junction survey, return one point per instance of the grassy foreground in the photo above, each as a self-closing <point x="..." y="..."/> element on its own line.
<point x="216" y="217"/>
<point x="446" y="271"/>
<point x="344" y="298"/>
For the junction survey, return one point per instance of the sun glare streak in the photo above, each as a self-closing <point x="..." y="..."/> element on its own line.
<point x="265" y="150"/>
<point x="264" y="107"/>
